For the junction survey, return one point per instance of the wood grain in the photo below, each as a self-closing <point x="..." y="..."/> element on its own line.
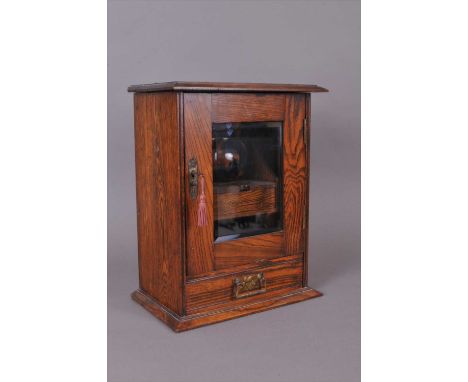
<point x="247" y="107"/>
<point x="197" y="132"/>
<point x="180" y="324"/>
<point x="159" y="210"/>
<point x="180" y="117"/>
<point x="215" y="293"/>
<point x="225" y="87"/>
<point x="307" y="199"/>
<point x="295" y="174"/>
<point x="261" y="263"/>
<point x="185" y="279"/>
<point x="259" y="199"/>
<point x="249" y="250"/>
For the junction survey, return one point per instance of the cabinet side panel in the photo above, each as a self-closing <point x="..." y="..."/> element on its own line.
<point x="295" y="174"/>
<point x="197" y="133"/>
<point x="158" y="197"/>
<point x="306" y="231"/>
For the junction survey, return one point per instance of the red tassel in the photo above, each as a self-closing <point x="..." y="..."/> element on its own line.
<point x="202" y="212"/>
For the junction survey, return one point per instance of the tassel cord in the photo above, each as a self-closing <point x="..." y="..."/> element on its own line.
<point x="202" y="209"/>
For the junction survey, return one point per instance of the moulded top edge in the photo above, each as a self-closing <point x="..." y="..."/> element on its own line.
<point x="225" y="87"/>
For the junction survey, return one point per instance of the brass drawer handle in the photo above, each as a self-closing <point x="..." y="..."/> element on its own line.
<point x="249" y="285"/>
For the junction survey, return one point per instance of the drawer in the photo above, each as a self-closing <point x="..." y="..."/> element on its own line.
<point x="231" y="202"/>
<point x="242" y="288"/>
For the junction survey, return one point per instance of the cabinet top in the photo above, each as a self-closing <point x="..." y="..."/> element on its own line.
<point x="225" y="87"/>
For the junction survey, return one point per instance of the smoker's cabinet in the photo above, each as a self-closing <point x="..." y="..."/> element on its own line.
<point x="222" y="177"/>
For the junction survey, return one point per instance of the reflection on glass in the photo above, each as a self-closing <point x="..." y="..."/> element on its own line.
<point x="247" y="168"/>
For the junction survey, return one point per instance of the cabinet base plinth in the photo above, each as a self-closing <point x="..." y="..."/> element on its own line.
<point x="182" y="323"/>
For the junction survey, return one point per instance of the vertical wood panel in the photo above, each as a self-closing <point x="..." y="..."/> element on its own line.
<point x="307" y="198"/>
<point x="197" y="124"/>
<point x="158" y="197"/>
<point x="295" y="174"/>
<point x="180" y="119"/>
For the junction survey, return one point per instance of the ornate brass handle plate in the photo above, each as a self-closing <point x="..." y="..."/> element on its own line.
<point x="249" y="285"/>
<point x="193" y="177"/>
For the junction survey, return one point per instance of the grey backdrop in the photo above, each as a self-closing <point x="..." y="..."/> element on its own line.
<point x="285" y="42"/>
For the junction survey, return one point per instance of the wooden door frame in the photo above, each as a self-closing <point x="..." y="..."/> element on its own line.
<point x="200" y="111"/>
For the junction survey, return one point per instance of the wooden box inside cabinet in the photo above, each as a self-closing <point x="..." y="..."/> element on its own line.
<point x="222" y="176"/>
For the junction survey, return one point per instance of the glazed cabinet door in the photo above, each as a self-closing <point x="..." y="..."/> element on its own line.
<point x="246" y="179"/>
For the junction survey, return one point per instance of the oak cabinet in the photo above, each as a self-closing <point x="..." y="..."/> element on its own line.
<point x="222" y="176"/>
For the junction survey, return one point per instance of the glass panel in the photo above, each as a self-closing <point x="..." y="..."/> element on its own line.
<point x="247" y="177"/>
